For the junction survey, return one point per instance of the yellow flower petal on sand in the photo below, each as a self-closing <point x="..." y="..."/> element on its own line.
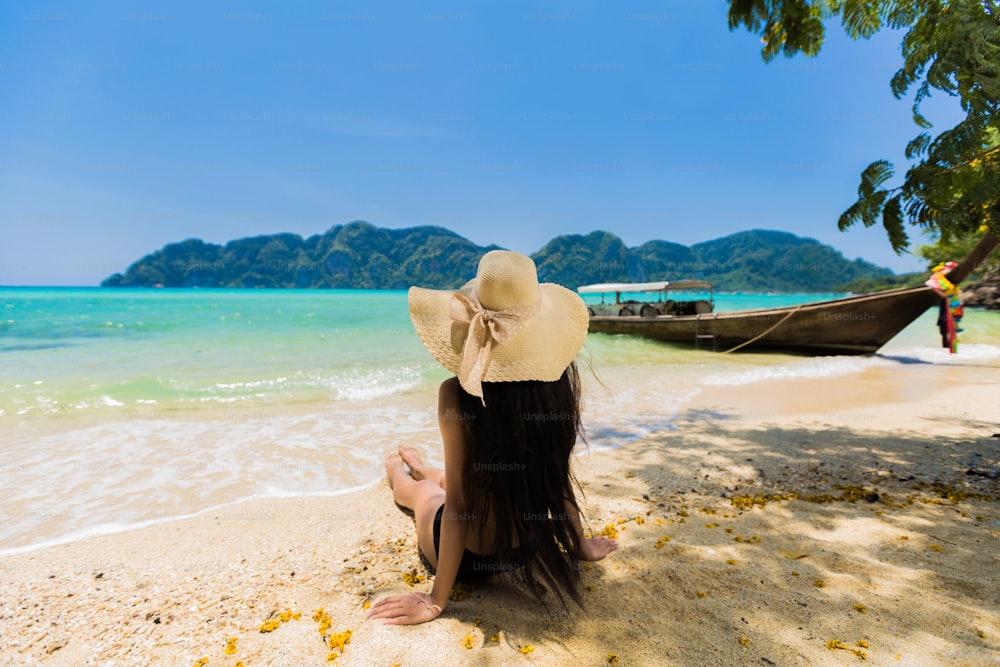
<point x="230" y="646"/>
<point x="527" y="648"/>
<point x="324" y="620"/>
<point x="339" y="640"/>
<point x="468" y="642"/>
<point x="835" y="644"/>
<point x="268" y="626"/>
<point x="412" y="577"/>
<point x="275" y="622"/>
<point x="459" y="591"/>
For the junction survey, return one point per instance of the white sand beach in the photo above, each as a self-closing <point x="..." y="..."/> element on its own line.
<point x="800" y="522"/>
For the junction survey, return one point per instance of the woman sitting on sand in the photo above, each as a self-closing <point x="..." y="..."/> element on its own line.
<point x="509" y="422"/>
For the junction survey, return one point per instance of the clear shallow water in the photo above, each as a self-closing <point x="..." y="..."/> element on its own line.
<point x="87" y="349"/>
<point x="120" y="407"/>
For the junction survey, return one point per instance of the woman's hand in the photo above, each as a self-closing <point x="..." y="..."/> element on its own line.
<point x="405" y="609"/>
<point x="597" y="547"/>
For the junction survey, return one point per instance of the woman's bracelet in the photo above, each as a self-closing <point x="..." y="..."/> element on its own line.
<point x="430" y="605"/>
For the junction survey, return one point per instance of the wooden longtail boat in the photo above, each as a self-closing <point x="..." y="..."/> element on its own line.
<point x="852" y="325"/>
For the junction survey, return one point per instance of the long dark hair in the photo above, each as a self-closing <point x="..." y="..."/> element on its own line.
<point x="518" y="472"/>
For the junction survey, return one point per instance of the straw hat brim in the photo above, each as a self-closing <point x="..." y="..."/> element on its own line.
<point x="543" y="348"/>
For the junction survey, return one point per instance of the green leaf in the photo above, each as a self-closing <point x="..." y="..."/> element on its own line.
<point x="892" y="220"/>
<point x="861" y="18"/>
<point x="902" y="13"/>
<point x="874" y="176"/>
<point x="872" y="206"/>
<point x="918" y="145"/>
<point x="922" y="93"/>
<point x="849" y="217"/>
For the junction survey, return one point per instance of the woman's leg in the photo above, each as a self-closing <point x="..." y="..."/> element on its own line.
<point x="421" y="470"/>
<point x="422" y="496"/>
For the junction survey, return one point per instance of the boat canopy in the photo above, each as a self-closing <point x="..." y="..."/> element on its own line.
<point x="644" y="287"/>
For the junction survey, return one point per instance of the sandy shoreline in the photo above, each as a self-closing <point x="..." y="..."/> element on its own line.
<point x="867" y="528"/>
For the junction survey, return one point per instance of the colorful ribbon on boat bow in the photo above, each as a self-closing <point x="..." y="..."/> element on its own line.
<point x="951" y="307"/>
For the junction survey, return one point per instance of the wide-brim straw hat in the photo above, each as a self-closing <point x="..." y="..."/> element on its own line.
<point x="520" y="329"/>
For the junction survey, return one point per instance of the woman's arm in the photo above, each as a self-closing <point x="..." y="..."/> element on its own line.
<point x="591" y="548"/>
<point x="455" y="519"/>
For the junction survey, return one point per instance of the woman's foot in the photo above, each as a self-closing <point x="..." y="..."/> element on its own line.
<point x="411" y="457"/>
<point x="394" y="468"/>
<point x="408" y="492"/>
<point x="597" y="547"/>
<point x="418" y="469"/>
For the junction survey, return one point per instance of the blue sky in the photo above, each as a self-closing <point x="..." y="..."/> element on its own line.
<point x="126" y="126"/>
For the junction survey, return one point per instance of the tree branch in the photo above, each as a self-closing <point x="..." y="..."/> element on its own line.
<point x="972" y="159"/>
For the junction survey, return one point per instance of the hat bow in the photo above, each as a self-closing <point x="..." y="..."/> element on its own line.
<point x="486" y="329"/>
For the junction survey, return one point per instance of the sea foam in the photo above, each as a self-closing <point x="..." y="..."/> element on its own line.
<point x="813" y="367"/>
<point x="126" y="473"/>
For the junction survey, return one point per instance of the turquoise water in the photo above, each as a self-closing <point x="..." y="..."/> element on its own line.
<point x="122" y="407"/>
<point x="84" y="349"/>
<point x="67" y="351"/>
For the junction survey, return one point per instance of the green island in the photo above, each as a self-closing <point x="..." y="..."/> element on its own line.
<point x="359" y="255"/>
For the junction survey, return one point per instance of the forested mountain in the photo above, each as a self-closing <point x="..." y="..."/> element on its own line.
<point x="357" y="255"/>
<point x="783" y="261"/>
<point x="360" y="255"/>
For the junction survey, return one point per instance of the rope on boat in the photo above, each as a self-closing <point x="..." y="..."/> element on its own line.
<point x="761" y="335"/>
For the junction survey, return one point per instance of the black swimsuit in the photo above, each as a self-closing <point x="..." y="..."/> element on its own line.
<point x="476" y="567"/>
